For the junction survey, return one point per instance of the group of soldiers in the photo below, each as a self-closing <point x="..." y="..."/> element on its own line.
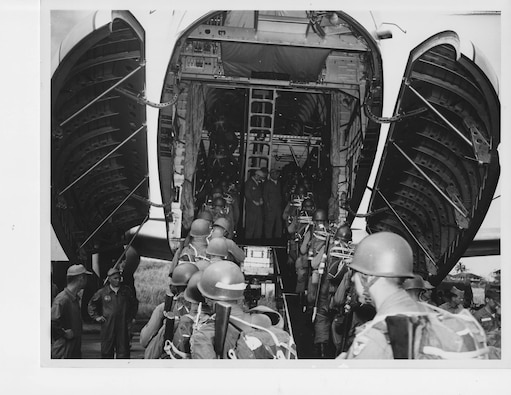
<point x="344" y="290"/>
<point x="351" y="296"/>
<point x="114" y="306"/>
<point x="204" y="317"/>
<point x="320" y="254"/>
<point x="263" y="204"/>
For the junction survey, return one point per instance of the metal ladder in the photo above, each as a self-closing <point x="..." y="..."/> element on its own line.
<point x="260" y="129"/>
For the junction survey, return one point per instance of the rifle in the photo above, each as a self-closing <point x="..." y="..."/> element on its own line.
<point x="222" y="314"/>
<point x="296" y="161"/>
<point x="401" y="331"/>
<point x="321" y="270"/>
<point x="169" y="318"/>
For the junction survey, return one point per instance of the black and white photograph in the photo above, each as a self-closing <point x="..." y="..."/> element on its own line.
<point x="315" y="185"/>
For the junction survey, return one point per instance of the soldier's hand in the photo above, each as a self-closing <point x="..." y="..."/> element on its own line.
<point x="100" y="319"/>
<point x="68" y="334"/>
<point x="342" y="355"/>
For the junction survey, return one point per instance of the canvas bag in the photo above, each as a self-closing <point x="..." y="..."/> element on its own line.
<point x="260" y="342"/>
<point x="438" y="334"/>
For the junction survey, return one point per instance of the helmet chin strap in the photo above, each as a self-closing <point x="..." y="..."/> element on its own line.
<point x="366" y="284"/>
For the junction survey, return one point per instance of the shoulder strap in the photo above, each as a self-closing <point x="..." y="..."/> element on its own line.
<point x="173" y="352"/>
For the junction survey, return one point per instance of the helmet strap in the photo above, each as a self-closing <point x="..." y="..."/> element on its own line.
<point x="366" y="284"/>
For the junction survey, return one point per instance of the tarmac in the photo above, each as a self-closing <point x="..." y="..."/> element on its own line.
<point x="91" y="344"/>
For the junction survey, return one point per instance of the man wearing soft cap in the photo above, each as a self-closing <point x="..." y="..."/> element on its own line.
<point x="66" y="319"/>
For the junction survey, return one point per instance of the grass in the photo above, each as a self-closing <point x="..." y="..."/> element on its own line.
<point x="151" y="283"/>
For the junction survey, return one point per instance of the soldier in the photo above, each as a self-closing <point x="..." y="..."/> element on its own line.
<point x="224" y="282"/>
<point x="231" y="196"/>
<point x="115" y="307"/>
<point x="489" y="317"/>
<point x="196" y="249"/>
<point x="340" y="292"/>
<point x="66" y="319"/>
<point x="299" y="224"/>
<point x="206" y="214"/>
<point x="313" y="250"/>
<point x="217" y="249"/>
<point x="295" y="203"/>
<point x="254" y="206"/>
<point x="179" y="347"/>
<point x="313" y="247"/>
<point x="226" y="225"/>
<point x="221" y="210"/>
<point x="380" y="264"/>
<point x="272" y="198"/>
<point x="418" y="289"/>
<point x="221" y="229"/>
<point x="454" y="303"/>
<point x="180" y="277"/>
<point x="153" y="333"/>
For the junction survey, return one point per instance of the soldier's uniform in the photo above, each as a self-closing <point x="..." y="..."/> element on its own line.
<point x="299" y="221"/>
<point x="488" y="320"/>
<point x="119" y="308"/>
<point x="318" y="287"/>
<point x="202" y="339"/>
<point x="196" y="250"/>
<point x="313" y="247"/>
<point x="186" y="326"/>
<point x="371" y="339"/>
<point x="298" y="259"/>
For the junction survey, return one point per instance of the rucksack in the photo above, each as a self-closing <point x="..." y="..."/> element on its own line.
<point x="259" y="342"/>
<point x="434" y="334"/>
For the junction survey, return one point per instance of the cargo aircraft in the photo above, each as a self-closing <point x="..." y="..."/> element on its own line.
<point x="396" y="120"/>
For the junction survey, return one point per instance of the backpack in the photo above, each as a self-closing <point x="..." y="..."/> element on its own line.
<point x="154" y="349"/>
<point x="435" y="334"/>
<point x="259" y="342"/>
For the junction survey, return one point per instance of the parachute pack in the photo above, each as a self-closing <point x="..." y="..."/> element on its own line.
<point x="435" y="334"/>
<point x="260" y="342"/>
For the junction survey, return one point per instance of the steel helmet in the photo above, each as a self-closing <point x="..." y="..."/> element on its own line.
<point x="219" y="202"/>
<point x="222" y="280"/>
<point x="344" y="233"/>
<point x="223" y="223"/>
<point x="182" y="273"/>
<point x="217" y="247"/>
<point x="417" y="282"/>
<point x="192" y="293"/>
<point x="275" y="316"/>
<point x="308" y="204"/>
<point x="205" y="215"/>
<point x="200" y="228"/>
<point x="383" y="254"/>
<point x="319" y="215"/>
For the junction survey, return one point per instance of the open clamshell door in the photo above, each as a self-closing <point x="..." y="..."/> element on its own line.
<point x="99" y="147"/>
<point x="440" y="165"/>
